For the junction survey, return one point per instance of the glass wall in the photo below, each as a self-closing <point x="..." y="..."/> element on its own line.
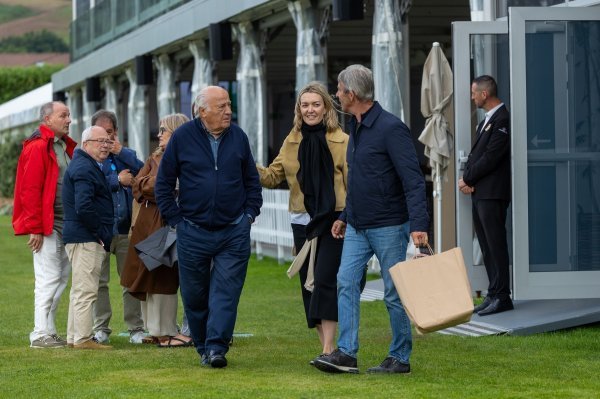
<point x="110" y="19"/>
<point x="563" y="145"/>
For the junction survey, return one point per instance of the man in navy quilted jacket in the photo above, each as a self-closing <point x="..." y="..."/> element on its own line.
<point x="385" y="205"/>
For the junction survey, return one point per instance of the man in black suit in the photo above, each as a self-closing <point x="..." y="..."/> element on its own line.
<point x="487" y="179"/>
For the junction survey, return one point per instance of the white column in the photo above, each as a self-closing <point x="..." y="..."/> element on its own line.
<point x="73" y="102"/>
<point x="203" y="67"/>
<point x="137" y="121"/>
<point x="251" y="90"/>
<point x="311" y="51"/>
<point x="111" y="101"/>
<point x="165" y="85"/>
<point x="89" y="108"/>
<point x="390" y="57"/>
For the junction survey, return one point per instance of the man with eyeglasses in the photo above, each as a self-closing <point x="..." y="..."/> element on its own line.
<point x="87" y="233"/>
<point x="119" y="169"/>
<point x="38" y="212"/>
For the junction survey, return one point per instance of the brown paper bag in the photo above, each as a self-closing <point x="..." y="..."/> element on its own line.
<point x="434" y="290"/>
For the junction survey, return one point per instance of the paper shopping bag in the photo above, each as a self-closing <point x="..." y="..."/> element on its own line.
<point x="434" y="290"/>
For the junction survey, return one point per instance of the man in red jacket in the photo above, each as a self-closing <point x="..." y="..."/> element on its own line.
<point x="38" y="212"/>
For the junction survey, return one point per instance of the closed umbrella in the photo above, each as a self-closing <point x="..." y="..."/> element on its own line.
<point x="436" y="107"/>
<point x="159" y="248"/>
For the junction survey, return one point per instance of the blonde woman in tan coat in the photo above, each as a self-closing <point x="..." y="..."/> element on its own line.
<point x="312" y="160"/>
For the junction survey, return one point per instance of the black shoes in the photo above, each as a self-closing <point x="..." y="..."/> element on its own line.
<point x="312" y="362"/>
<point x="336" y="362"/>
<point x="215" y="360"/>
<point x="486" y="302"/>
<point x="391" y="365"/>
<point x="497" y="305"/>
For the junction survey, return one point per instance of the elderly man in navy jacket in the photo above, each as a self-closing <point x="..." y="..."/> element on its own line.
<point x="385" y="204"/>
<point x="218" y="198"/>
<point x="87" y="232"/>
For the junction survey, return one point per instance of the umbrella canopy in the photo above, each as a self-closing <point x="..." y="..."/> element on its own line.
<point x="436" y="107"/>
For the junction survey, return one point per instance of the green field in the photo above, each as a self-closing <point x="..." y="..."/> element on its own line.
<point x="273" y="362"/>
<point x="12" y="12"/>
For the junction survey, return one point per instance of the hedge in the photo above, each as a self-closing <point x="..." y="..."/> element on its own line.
<point x="15" y="81"/>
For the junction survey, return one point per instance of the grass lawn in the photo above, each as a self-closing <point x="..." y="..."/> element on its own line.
<point x="273" y="363"/>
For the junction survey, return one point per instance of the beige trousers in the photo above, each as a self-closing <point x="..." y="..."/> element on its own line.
<point x="132" y="314"/>
<point x="160" y="314"/>
<point x="86" y="261"/>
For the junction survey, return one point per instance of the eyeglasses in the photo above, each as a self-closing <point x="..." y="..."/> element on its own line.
<point x="102" y="141"/>
<point x="162" y="130"/>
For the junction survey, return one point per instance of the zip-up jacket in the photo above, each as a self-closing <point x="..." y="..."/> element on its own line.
<point x="87" y="202"/>
<point x="385" y="183"/>
<point x="35" y="185"/>
<point x="211" y="194"/>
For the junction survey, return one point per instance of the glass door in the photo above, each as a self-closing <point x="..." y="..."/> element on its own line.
<point x="555" y="125"/>
<point x="478" y="48"/>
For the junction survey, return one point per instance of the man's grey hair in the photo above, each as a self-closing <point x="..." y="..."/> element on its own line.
<point x="87" y="134"/>
<point x="200" y="100"/>
<point x="103" y="113"/>
<point x="47" y="109"/>
<point x="358" y="79"/>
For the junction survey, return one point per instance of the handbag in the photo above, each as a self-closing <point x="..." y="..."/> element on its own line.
<point x="434" y="290"/>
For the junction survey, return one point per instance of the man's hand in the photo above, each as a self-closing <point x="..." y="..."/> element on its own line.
<point x="338" y="230"/>
<point x="117" y="146"/>
<point x="35" y="242"/>
<point x="125" y="178"/>
<point x="462" y="186"/>
<point x="419" y="238"/>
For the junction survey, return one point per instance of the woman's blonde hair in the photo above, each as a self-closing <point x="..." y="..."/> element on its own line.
<point x="330" y="117"/>
<point x="170" y="122"/>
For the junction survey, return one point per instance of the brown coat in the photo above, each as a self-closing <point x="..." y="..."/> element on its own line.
<point x="136" y="277"/>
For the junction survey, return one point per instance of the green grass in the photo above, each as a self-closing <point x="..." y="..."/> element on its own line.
<point x="12" y="12"/>
<point x="273" y="363"/>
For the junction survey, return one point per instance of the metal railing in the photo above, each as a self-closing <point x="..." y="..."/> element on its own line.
<point x="111" y="19"/>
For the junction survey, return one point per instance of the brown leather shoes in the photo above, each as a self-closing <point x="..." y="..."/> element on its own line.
<point x="91" y="344"/>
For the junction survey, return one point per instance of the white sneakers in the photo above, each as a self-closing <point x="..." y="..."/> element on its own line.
<point x="136" y="337"/>
<point x="102" y="337"/>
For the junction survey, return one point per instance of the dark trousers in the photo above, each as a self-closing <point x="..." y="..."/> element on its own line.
<point x="489" y="219"/>
<point x="211" y="297"/>
<point x="328" y="261"/>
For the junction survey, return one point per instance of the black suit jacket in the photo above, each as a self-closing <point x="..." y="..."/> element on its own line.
<point x="488" y="167"/>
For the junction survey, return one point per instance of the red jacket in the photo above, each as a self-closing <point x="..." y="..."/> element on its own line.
<point x="35" y="185"/>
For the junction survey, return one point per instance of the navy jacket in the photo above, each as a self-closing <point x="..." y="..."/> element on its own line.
<point x="385" y="183"/>
<point x="488" y="167"/>
<point x="212" y="195"/>
<point x="122" y="196"/>
<point x="87" y="202"/>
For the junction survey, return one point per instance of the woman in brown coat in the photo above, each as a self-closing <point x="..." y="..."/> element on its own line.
<point x="157" y="289"/>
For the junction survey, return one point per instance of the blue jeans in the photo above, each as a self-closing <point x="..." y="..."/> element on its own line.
<point x="211" y="296"/>
<point x="389" y="245"/>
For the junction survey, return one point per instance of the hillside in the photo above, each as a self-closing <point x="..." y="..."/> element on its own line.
<point x="52" y="15"/>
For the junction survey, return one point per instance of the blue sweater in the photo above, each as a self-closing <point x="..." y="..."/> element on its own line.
<point x="122" y="196"/>
<point x="211" y="194"/>
<point x="87" y="202"/>
<point x="385" y="183"/>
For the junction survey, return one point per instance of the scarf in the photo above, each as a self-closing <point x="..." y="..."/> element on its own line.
<point x="315" y="177"/>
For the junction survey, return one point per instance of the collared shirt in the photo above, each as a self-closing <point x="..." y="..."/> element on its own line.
<point x="60" y="149"/>
<point x="490" y="113"/>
